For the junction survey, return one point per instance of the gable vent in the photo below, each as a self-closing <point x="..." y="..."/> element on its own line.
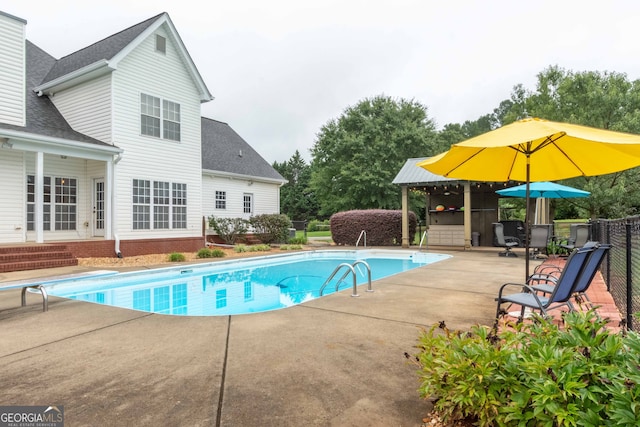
<point x="161" y="44"/>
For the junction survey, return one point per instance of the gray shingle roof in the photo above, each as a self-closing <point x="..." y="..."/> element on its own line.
<point x="42" y="116"/>
<point x="104" y="49"/>
<point x="225" y="151"/>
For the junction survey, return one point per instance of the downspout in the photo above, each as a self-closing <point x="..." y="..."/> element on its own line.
<point x="114" y="221"/>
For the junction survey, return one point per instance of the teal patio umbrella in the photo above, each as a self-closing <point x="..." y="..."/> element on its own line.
<point x="546" y="189"/>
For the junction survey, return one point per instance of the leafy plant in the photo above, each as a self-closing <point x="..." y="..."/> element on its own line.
<point x="176" y="257"/>
<point x="210" y="253"/>
<point x="290" y="247"/>
<point x="298" y="240"/>
<point x="271" y="228"/>
<point x="230" y="230"/>
<point x="533" y="374"/>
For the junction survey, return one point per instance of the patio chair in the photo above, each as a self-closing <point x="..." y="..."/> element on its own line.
<point x="506" y="242"/>
<point x="540" y="237"/>
<point x="578" y="236"/>
<point x="561" y="294"/>
<point x="591" y="267"/>
<point x="551" y="271"/>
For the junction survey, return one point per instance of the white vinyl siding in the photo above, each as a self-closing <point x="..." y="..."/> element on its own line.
<point x="265" y="197"/>
<point x="12" y="71"/>
<point x="87" y="108"/>
<point x="12" y="208"/>
<point x="144" y="71"/>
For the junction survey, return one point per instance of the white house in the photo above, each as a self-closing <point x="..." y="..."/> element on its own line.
<point x="105" y="149"/>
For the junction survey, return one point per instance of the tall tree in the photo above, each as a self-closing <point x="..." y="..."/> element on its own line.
<point x="606" y="100"/>
<point x="357" y="155"/>
<point x="297" y="200"/>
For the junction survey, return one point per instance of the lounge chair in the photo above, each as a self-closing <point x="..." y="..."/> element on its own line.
<point x="578" y="236"/>
<point x="506" y="242"/>
<point x="540" y="237"/>
<point x="550" y="271"/>
<point x="588" y="273"/>
<point x="561" y="294"/>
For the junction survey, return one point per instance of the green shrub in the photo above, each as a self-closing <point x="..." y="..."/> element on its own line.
<point x="204" y="253"/>
<point x="298" y="240"/>
<point x="217" y="253"/>
<point x="533" y="374"/>
<point x="176" y="257"/>
<point x="241" y="248"/>
<point x="271" y="228"/>
<point x="317" y="225"/>
<point x="230" y="230"/>
<point x="290" y="247"/>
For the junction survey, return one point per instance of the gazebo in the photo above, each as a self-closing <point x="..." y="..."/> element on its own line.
<point x="455" y="209"/>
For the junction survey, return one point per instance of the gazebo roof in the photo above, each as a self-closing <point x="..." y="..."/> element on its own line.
<point x="412" y="174"/>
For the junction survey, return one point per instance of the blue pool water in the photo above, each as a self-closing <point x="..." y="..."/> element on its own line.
<point x="238" y="286"/>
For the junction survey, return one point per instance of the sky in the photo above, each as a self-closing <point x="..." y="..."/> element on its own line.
<point x="281" y="69"/>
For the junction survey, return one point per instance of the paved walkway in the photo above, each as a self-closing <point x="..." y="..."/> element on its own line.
<point x="334" y="361"/>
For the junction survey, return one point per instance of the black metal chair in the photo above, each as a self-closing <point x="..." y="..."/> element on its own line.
<point x="506" y="242"/>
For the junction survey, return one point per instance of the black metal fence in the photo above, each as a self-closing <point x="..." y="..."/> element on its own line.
<point x="621" y="268"/>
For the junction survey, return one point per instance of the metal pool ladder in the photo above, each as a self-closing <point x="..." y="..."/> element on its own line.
<point x="352" y="270"/>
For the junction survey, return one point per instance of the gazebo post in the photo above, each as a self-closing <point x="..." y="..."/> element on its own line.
<point x="405" y="217"/>
<point x="467" y="215"/>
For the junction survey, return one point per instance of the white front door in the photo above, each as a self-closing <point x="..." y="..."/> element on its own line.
<point x="98" y="207"/>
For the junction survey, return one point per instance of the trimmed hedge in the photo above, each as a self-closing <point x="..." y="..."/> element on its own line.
<point x="383" y="227"/>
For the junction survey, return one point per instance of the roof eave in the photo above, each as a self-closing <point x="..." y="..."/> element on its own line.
<point x="81" y="75"/>
<point x="28" y="141"/>
<point x="232" y="175"/>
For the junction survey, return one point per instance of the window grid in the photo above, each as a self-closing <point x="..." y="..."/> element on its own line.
<point x="141" y="204"/>
<point x="247" y="203"/>
<point x="161" y="300"/>
<point x="221" y="200"/>
<point x="142" y="300"/>
<point x="248" y="291"/>
<point x="171" y="122"/>
<point x="151" y="115"/>
<point x="168" y="204"/>
<point x="31" y="205"/>
<point x="160" y="205"/>
<point x="179" y="199"/>
<point x="179" y="294"/>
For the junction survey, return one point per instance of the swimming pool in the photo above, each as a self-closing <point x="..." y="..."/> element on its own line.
<point x="239" y="286"/>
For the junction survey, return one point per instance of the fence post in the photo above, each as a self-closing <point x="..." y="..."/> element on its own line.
<point x="629" y="277"/>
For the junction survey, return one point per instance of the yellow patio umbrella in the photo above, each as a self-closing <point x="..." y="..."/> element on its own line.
<point x="533" y="149"/>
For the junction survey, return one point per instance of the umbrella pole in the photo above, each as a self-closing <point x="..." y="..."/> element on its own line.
<point x="526" y="223"/>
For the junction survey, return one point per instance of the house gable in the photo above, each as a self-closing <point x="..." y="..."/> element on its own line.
<point x="104" y="56"/>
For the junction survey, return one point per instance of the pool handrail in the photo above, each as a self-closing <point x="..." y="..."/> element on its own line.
<point x="352" y="270"/>
<point x="362" y="233"/>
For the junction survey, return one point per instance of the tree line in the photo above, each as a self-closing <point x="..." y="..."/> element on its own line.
<point x="356" y="155"/>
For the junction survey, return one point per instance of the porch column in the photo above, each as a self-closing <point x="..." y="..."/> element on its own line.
<point x="405" y="216"/>
<point x="467" y="215"/>
<point x="108" y="200"/>
<point x="38" y="205"/>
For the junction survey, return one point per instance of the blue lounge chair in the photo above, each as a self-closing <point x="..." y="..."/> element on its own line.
<point x="562" y="291"/>
<point x="588" y="273"/>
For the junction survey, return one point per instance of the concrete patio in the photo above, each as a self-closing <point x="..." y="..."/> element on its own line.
<point x="334" y="361"/>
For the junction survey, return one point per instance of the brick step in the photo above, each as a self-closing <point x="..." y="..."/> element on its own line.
<point x="37" y="264"/>
<point x="33" y="256"/>
<point x="32" y="249"/>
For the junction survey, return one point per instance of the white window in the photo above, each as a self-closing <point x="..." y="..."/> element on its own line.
<point x="31" y="198"/>
<point x="62" y="199"/>
<point x="221" y="200"/>
<point x="179" y="202"/>
<point x="160" y="205"/>
<point x="141" y="204"/>
<point x="151" y="115"/>
<point x="247" y="203"/>
<point x="168" y="204"/>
